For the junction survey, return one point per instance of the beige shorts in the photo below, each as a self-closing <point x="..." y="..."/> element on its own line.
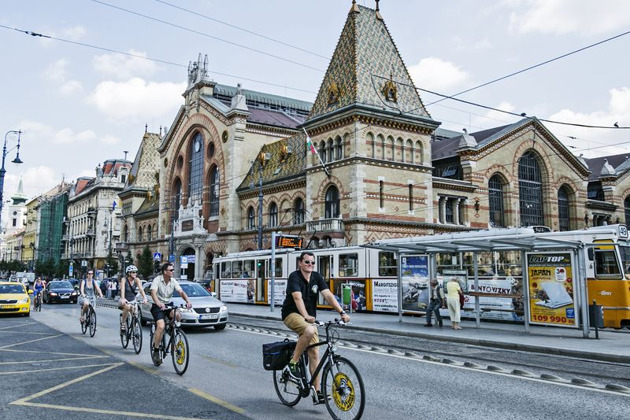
<point x="298" y="324"/>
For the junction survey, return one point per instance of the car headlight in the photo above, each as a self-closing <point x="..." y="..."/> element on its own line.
<point x="25" y="300"/>
<point x="74" y="293"/>
<point x="223" y="308"/>
<point x="186" y="310"/>
<point x="53" y="294"/>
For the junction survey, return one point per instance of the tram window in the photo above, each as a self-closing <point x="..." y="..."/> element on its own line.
<point x="226" y="269"/>
<point x="248" y="269"/>
<point x="606" y="264"/>
<point x="237" y="269"/>
<point x="278" y="270"/>
<point x="625" y="259"/>
<point x="348" y="265"/>
<point x="387" y="264"/>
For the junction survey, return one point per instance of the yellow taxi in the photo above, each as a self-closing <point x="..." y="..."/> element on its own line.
<point x="14" y="299"/>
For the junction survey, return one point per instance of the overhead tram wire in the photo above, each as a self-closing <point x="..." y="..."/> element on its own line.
<point x="531" y="67"/>
<point x="242" y="29"/>
<point x="277" y="57"/>
<point x="156" y="60"/>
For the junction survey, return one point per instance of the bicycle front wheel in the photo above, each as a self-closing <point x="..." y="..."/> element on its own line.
<point x="92" y="321"/>
<point x="136" y="334"/>
<point x="180" y="352"/>
<point x="343" y="389"/>
<point x="287" y="388"/>
<point x="124" y="335"/>
<point x="84" y="324"/>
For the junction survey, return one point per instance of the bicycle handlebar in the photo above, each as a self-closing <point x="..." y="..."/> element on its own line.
<point x="334" y="321"/>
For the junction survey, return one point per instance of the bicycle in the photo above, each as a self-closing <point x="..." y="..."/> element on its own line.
<point x="342" y="386"/>
<point x="89" y="320"/>
<point x="133" y="329"/>
<point x="177" y="343"/>
<point x="37" y="305"/>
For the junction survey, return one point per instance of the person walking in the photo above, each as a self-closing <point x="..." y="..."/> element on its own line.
<point x="453" y="290"/>
<point x="436" y="301"/>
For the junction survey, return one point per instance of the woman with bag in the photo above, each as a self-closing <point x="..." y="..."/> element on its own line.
<point x="453" y="292"/>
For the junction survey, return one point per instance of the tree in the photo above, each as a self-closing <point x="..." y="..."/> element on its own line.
<point x="145" y="262"/>
<point x="112" y="264"/>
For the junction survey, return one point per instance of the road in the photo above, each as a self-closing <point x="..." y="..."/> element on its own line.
<point x="51" y="371"/>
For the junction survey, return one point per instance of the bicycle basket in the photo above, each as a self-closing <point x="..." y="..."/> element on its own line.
<point x="277" y="355"/>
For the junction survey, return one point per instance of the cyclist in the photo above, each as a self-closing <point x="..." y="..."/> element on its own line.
<point x="37" y="288"/>
<point x="129" y="286"/>
<point x="162" y="290"/>
<point x="88" y="289"/>
<point x="299" y="310"/>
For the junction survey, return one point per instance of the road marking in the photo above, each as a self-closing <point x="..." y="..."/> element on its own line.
<point x="30" y="341"/>
<point x="50" y="353"/>
<point x="52" y="360"/>
<point x="216" y="400"/>
<point x="17" y="326"/>
<point x="51" y="369"/>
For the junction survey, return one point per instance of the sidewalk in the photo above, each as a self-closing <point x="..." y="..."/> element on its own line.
<point x="612" y="345"/>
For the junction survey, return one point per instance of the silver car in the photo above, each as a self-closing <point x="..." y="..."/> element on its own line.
<point x="206" y="311"/>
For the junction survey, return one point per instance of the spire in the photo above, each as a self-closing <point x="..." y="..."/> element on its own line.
<point x="354" y="8"/>
<point x="19" y="197"/>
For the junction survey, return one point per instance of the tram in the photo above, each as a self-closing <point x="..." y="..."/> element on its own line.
<point x="502" y="272"/>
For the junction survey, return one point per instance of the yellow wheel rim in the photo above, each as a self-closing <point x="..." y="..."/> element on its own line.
<point x="181" y="352"/>
<point x="343" y="392"/>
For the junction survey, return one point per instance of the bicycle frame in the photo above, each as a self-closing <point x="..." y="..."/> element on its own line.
<point x="328" y="357"/>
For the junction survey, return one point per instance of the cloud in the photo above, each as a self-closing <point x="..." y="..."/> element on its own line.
<point x="125" y="67"/>
<point x="108" y="139"/>
<point x="69" y="136"/>
<point x="136" y="99"/>
<point x="35" y="181"/>
<point x="41" y="132"/>
<point x="74" y="33"/>
<point x="585" y="17"/>
<point x="436" y="74"/>
<point x="57" y="72"/>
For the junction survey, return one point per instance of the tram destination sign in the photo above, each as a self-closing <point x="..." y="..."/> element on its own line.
<point x="286" y="241"/>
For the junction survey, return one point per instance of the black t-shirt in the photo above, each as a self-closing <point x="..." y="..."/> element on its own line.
<point x="297" y="283"/>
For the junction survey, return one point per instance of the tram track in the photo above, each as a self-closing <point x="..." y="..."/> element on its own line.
<point x="575" y="371"/>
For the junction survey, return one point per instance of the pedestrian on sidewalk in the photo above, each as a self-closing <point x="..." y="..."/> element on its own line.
<point x="453" y="290"/>
<point x="436" y="301"/>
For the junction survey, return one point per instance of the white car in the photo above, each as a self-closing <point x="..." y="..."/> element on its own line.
<point x="206" y="311"/>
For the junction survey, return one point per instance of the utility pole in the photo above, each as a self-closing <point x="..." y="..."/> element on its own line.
<point x="260" y="205"/>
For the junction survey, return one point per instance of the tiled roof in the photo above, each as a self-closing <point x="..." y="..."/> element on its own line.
<point x="364" y="60"/>
<point x="595" y="165"/>
<point x="82" y="184"/>
<point x="257" y="99"/>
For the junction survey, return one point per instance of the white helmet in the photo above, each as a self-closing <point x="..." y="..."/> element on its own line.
<point x="131" y="268"/>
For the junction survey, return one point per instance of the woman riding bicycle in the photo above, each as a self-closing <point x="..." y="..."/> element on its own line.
<point x="129" y="286"/>
<point x="37" y="288"/>
<point x="88" y="291"/>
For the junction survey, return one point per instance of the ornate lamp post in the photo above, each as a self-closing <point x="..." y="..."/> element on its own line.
<point x="2" y="170"/>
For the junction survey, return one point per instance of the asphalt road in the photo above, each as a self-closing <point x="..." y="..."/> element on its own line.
<point x="225" y="379"/>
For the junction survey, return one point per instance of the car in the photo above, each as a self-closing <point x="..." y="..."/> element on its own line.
<point x="60" y="291"/>
<point x="14" y="299"/>
<point x="206" y="311"/>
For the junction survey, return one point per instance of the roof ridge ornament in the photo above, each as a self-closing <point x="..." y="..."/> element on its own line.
<point x="355" y="7"/>
<point x="378" y="13"/>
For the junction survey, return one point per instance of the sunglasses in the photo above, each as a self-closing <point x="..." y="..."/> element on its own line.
<point x="308" y="262"/>
<point x="133" y="272"/>
<point x="90" y="273"/>
<point x="171" y="269"/>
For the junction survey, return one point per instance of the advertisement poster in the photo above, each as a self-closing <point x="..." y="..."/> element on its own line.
<point x="497" y="307"/>
<point x="385" y="295"/>
<point x="415" y="282"/>
<point x="550" y="283"/>
<point x="238" y="291"/>
<point x="280" y="290"/>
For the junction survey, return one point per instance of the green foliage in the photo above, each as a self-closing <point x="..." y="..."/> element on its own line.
<point x="145" y="262"/>
<point x="12" y="266"/>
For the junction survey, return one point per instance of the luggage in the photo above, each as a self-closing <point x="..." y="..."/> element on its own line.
<point x="278" y="354"/>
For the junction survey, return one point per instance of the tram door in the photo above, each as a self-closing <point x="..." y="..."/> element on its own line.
<point x="325" y="268"/>
<point x="261" y="281"/>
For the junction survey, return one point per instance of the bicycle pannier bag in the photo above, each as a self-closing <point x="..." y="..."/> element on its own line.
<point x="277" y="355"/>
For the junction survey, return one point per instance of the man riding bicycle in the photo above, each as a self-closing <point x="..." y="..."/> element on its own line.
<point x="162" y="290"/>
<point x="88" y="290"/>
<point x="299" y="310"/>
<point x="128" y="288"/>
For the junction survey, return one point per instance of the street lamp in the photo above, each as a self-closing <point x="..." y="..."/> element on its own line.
<point x="2" y="170"/>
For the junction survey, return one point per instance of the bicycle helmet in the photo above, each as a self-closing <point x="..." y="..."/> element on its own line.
<point x="131" y="268"/>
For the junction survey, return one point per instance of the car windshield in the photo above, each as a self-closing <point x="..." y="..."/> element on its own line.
<point x="192" y="290"/>
<point x="61" y="285"/>
<point x="11" y="288"/>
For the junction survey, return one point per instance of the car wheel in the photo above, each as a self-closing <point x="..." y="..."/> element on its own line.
<point x="220" y="327"/>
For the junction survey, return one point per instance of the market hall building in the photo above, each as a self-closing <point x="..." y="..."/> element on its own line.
<point x="236" y="165"/>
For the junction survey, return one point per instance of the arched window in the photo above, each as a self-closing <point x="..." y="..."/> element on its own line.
<point x="322" y="151"/>
<point x="400" y="145"/>
<point x="149" y="237"/>
<point x="409" y="152"/>
<point x="273" y="215"/>
<point x="330" y="150"/>
<point x="177" y="198"/>
<point x="563" y="208"/>
<point x="495" y="200"/>
<point x="332" y="203"/>
<point x="139" y="239"/>
<point x="417" y="153"/>
<point x="251" y="218"/>
<point x="215" y="181"/>
<point x="298" y="211"/>
<point x="195" y="171"/>
<point x="626" y="206"/>
<point x="338" y="148"/>
<point x="371" y="144"/>
<point x="126" y="234"/>
<point x="530" y="191"/>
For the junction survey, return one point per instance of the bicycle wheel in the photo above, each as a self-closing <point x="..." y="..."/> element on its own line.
<point x="92" y="321"/>
<point x="343" y="389"/>
<point x="38" y="302"/>
<point x="84" y="324"/>
<point x="136" y="334"/>
<point x="287" y="388"/>
<point x="180" y="352"/>
<point x="124" y="336"/>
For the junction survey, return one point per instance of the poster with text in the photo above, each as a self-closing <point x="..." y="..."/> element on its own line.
<point x="415" y="281"/>
<point x="280" y="291"/>
<point x="385" y="295"/>
<point x="238" y="291"/>
<point x="550" y="286"/>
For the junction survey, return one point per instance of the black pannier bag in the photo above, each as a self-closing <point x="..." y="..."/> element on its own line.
<point x="277" y="355"/>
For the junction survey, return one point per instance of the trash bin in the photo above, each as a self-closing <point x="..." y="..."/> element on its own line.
<point x="347" y="294"/>
<point x="596" y="316"/>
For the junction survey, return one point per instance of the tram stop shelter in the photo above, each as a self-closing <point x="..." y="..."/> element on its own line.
<point x="552" y="289"/>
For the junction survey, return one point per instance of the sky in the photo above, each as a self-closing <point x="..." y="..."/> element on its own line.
<point x="83" y="92"/>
